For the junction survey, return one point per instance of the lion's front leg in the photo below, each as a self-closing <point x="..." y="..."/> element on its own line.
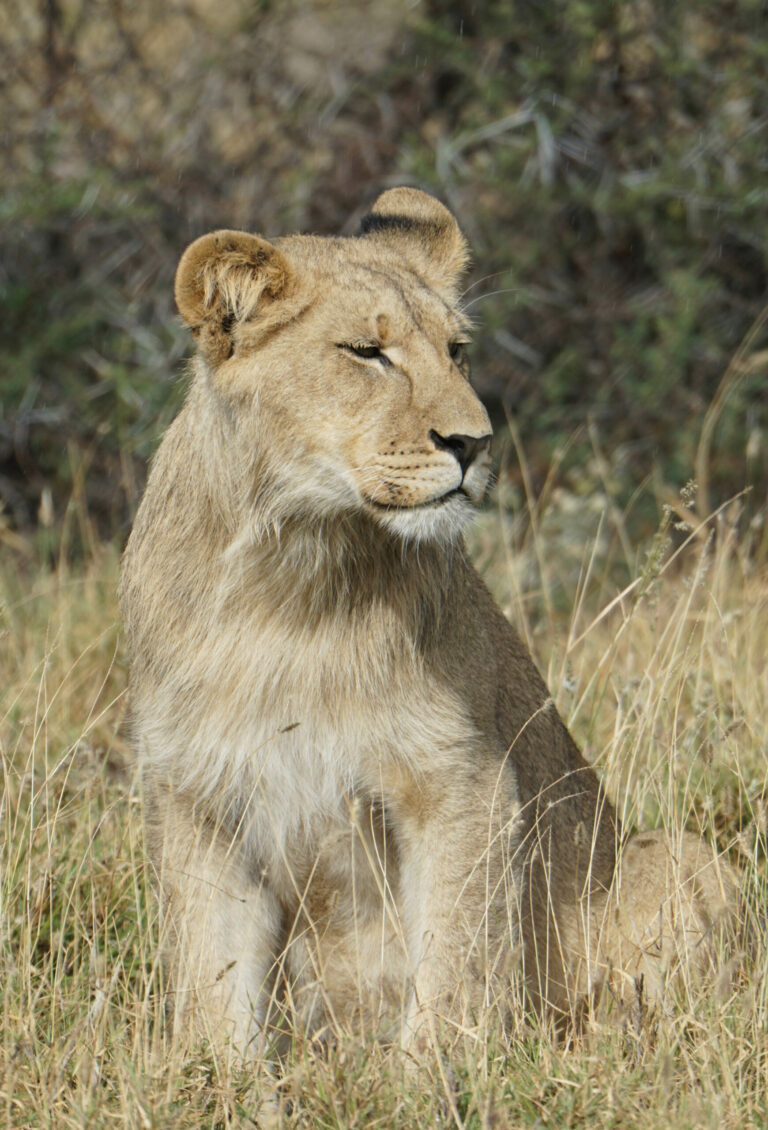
<point x="459" y="899"/>
<point x="220" y="926"/>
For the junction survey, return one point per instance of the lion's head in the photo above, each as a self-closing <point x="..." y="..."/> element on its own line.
<point x="339" y="365"/>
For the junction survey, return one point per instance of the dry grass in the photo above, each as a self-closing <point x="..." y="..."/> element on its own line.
<point x="666" y="685"/>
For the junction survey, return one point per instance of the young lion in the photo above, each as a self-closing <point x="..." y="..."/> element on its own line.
<point x="358" y="790"/>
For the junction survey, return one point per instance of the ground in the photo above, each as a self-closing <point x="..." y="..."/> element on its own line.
<point x="656" y="654"/>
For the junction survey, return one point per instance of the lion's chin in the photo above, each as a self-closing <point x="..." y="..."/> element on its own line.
<point x="443" y="520"/>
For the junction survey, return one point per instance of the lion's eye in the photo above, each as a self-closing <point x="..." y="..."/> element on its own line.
<point x="457" y="352"/>
<point x="368" y="352"/>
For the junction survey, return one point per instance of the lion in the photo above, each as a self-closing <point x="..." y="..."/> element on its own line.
<point x="361" y="803"/>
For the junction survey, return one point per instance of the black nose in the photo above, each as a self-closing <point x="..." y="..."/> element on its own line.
<point x="465" y="448"/>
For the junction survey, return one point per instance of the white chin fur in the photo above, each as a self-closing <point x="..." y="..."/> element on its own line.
<point x="443" y="522"/>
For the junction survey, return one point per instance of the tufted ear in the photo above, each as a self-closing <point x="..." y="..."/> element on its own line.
<point x="424" y="232"/>
<point x="223" y="279"/>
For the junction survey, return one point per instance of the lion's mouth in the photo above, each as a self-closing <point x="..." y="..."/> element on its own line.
<point x="430" y="503"/>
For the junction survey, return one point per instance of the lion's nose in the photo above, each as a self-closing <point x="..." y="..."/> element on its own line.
<point x="465" y="448"/>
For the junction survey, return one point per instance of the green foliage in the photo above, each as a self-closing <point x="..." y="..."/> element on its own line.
<point x="609" y="162"/>
<point x="87" y="368"/>
<point x="606" y="160"/>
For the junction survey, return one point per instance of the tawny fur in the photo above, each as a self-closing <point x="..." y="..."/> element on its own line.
<point x="358" y="790"/>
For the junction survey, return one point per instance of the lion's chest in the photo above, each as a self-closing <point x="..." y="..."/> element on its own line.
<point x="284" y="728"/>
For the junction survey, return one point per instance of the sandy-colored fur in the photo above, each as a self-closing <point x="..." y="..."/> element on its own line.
<point x="359" y="795"/>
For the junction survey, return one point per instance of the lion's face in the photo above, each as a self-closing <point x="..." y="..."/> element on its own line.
<point x="350" y="386"/>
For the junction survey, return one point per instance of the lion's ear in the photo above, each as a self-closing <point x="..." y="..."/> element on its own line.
<point x="424" y="232"/>
<point x="224" y="278"/>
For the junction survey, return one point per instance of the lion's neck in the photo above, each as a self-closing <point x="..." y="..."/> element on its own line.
<point x="293" y="566"/>
<point x="344" y="567"/>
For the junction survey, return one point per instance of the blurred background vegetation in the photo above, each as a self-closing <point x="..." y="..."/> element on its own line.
<point x="608" y="161"/>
